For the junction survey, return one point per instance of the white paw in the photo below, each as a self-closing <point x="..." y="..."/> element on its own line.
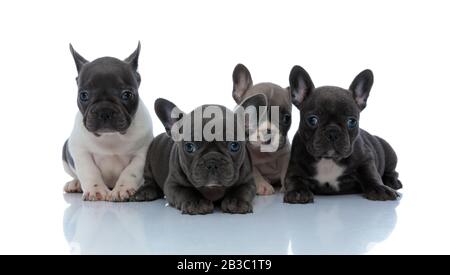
<point x="122" y="192"/>
<point x="73" y="186"/>
<point x="263" y="188"/>
<point x="96" y="192"/>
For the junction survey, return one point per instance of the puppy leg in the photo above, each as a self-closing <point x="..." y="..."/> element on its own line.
<point x="297" y="186"/>
<point x="150" y="190"/>
<point x="372" y="184"/>
<point x="239" y="199"/>
<point x="263" y="187"/>
<point x="297" y="190"/>
<point x="187" y="199"/>
<point x="131" y="178"/>
<point x="90" y="178"/>
<point x="284" y="163"/>
<point x="74" y="185"/>
<point x="390" y="176"/>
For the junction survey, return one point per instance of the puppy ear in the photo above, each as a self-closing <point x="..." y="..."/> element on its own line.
<point x="79" y="60"/>
<point x="168" y="113"/>
<point x="134" y="57"/>
<point x="242" y="81"/>
<point x="301" y="85"/>
<point x="361" y="86"/>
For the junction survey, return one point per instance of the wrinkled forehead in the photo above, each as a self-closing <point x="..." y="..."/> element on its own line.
<point x="106" y="72"/>
<point x="333" y="101"/>
<point x="212" y="123"/>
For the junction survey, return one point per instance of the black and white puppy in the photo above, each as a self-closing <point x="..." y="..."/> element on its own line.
<point x="105" y="154"/>
<point x="196" y="173"/>
<point x="330" y="154"/>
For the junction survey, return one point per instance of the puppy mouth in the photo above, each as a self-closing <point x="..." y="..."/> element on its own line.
<point x="97" y="126"/>
<point x="103" y="118"/>
<point x="333" y="155"/>
<point x="106" y="131"/>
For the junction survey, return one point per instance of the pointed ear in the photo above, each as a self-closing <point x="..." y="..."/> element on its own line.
<point x="79" y="60"/>
<point x="301" y="85"/>
<point x="361" y="86"/>
<point x="168" y="113"/>
<point x="134" y="57"/>
<point x="242" y="81"/>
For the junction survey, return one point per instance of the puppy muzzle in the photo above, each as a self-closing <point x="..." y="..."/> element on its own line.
<point x="105" y="117"/>
<point x="212" y="170"/>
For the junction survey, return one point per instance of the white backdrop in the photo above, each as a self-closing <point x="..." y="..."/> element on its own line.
<point x="189" y="49"/>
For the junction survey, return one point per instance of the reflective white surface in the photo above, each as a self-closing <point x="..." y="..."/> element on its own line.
<point x="344" y="224"/>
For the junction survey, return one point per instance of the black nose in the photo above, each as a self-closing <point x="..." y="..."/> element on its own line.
<point x="212" y="165"/>
<point x="332" y="135"/>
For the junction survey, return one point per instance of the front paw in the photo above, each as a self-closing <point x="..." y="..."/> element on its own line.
<point x="122" y="192"/>
<point x="299" y="196"/>
<point x="380" y="193"/>
<point x="263" y="188"/>
<point x="96" y="192"/>
<point x="236" y="206"/>
<point x="196" y="207"/>
<point x="73" y="186"/>
<point x="147" y="193"/>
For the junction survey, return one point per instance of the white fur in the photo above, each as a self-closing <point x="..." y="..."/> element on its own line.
<point x="111" y="161"/>
<point x="328" y="172"/>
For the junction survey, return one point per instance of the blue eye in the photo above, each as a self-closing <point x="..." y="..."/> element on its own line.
<point x="126" y="95"/>
<point x="234" y="146"/>
<point x="312" y="121"/>
<point x="352" y="123"/>
<point x="190" y="147"/>
<point x="84" y="96"/>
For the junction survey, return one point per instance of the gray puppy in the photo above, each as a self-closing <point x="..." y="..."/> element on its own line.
<point x="194" y="173"/>
<point x="268" y="167"/>
<point x="330" y="154"/>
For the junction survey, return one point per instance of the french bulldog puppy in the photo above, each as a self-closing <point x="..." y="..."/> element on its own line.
<point x="196" y="172"/>
<point x="269" y="166"/>
<point x="105" y="154"/>
<point x="330" y="154"/>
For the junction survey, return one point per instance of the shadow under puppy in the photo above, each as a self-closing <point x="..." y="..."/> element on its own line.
<point x="105" y="153"/>
<point x="269" y="146"/>
<point x="330" y="154"/>
<point x="194" y="171"/>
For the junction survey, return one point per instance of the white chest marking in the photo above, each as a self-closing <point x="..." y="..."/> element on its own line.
<point x="328" y="172"/>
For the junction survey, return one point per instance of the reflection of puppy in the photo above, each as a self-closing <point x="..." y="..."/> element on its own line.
<point x="330" y="154"/>
<point x="195" y="171"/>
<point x="85" y="224"/>
<point x="347" y="226"/>
<point x="268" y="167"/>
<point x="112" y="131"/>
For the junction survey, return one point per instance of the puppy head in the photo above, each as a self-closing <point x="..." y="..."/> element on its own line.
<point x="271" y="131"/>
<point x="210" y="151"/>
<point x="107" y="92"/>
<point x="329" y="116"/>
